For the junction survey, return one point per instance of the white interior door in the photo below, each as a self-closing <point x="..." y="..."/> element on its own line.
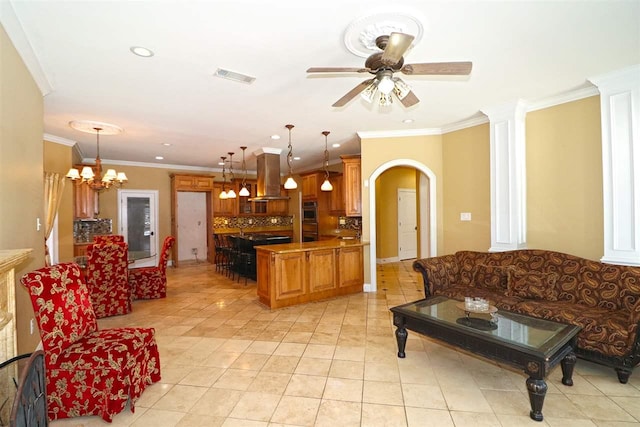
<point x="407" y="224"/>
<point x="192" y="226"/>
<point x="137" y="219"/>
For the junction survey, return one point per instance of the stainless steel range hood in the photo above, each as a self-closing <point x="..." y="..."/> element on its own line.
<point x="268" y="170"/>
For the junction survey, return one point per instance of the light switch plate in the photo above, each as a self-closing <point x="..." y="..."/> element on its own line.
<point x="465" y="216"/>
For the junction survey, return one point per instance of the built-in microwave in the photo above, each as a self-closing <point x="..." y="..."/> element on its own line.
<point x="310" y="212"/>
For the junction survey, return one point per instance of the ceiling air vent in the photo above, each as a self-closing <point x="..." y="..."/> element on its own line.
<point x="232" y="75"/>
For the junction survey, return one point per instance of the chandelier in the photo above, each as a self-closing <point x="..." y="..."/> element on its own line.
<point x="326" y="185"/>
<point x="92" y="175"/>
<point x="290" y="183"/>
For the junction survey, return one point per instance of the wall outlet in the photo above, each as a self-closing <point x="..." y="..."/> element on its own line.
<point x="194" y="251"/>
<point x="465" y="216"/>
<point x="274" y="220"/>
<point x="250" y="220"/>
<point x="32" y="326"/>
<point x="343" y="221"/>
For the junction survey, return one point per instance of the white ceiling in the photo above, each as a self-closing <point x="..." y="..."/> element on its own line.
<point x="528" y="50"/>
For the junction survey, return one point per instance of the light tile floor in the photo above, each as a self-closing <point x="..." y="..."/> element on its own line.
<point x="228" y="361"/>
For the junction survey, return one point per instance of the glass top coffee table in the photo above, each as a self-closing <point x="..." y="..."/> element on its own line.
<point x="534" y="345"/>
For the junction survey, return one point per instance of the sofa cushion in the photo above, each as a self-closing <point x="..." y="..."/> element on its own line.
<point x="602" y="330"/>
<point x="532" y="284"/>
<point x="490" y="277"/>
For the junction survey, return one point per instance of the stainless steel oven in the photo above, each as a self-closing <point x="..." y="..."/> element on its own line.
<point x="309" y="221"/>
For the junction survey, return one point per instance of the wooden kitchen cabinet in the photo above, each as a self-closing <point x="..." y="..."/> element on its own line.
<point x="311" y="185"/>
<point x="226" y="207"/>
<point x="336" y="203"/>
<point x="297" y="273"/>
<point x="192" y="182"/>
<point x="86" y="202"/>
<point x="352" y="185"/>
<point x="278" y="207"/>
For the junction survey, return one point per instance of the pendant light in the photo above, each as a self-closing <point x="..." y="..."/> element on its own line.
<point x="244" y="191"/>
<point x="231" y="194"/>
<point x="326" y="185"/>
<point x="290" y="183"/>
<point x="223" y="194"/>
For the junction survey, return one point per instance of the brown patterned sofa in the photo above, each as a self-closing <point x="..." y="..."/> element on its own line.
<point x="603" y="299"/>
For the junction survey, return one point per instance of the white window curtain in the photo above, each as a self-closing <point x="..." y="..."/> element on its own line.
<point x="53" y="186"/>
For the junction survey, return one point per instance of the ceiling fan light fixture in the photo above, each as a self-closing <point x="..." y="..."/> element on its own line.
<point x="400" y="88"/>
<point x="385" y="84"/>
<point x="385" y="99"/>
<point x="370" y="91"/>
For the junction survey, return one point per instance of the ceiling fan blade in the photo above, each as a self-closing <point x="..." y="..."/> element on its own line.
<point x="336" y="70"/>
<point x="410" y="100"/>
<point x="352" y="93"/>
<point x="396" y="47"/>
<point x="438" y="68"/>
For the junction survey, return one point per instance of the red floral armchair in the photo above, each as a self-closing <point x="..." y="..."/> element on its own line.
<point x="151" y="282"/>
<point x="88" y="371"/>
<point x="107" y="277"/>
<point x="105" y="238"/>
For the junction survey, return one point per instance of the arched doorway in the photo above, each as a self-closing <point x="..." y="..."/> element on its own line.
<point x="428" y="232"/>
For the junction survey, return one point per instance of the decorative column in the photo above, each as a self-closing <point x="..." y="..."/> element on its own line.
<point x="508" y="177"/>
<point x="620" y="114"/>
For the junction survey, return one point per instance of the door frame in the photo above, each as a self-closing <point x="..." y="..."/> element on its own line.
<point x="153" y="260"/>
<point x="431" y="229"/>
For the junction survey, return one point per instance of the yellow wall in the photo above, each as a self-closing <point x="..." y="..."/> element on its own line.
<point x="564" y="179"/>
<point x="21" y="175"/>
<point x="467" y="189"/>
<point x="426" y="150"/>
<point x="387" y="186"/>
<point x="58" y="158"/>
<point x="142" y="178"/>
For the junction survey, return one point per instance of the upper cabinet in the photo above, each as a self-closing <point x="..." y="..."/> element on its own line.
<point x="311" y="185"/>
<point x="86" y="204"/>
<point x="222" y="207"/>
<point x="192" y="182"/>
<point x="337" y="195"/>
<point x="352" y="188"/>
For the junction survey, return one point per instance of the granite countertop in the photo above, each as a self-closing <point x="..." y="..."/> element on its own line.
<point x="284" y="248"/>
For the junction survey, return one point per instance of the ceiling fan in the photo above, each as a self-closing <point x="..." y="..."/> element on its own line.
<point x="383" y="64"/>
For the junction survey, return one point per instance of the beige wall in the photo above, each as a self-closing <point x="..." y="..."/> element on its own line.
<point x="466" y="189"/>
<point x="387" y="186"/>
<point x="21" y="175"/>
<point x="564" y="179"/>
<point x="58" y="158"/>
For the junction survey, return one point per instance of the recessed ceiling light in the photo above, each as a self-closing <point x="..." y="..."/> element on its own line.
<point x="275" y="136"/>
<point x="166" y="144"/>
<point x="296" y="158"/>
<point x="141" y="51"/>
<point x="336" y="145"/>
<point x="159" y="158"/>
<point x="407" y="121"/>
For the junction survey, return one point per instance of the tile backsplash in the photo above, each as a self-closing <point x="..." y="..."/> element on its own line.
<point x="350" y="223"/>
<point x="248" y="222"/>
<point x="83" y="231"/>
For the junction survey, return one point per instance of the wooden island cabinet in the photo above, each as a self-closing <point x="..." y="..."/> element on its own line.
<point x="296" y="273"/>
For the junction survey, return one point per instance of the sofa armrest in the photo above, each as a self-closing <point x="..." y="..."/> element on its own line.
<point x="437" y="272"/>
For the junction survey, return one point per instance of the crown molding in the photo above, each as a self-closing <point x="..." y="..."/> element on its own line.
<point x="398" y="133"/>
<point x="16" y="33"/>
<point x="152" y="165"/>
<point x="58" y="140"/>
<point x="563" y="98"/>
<point x="476" y="120"/>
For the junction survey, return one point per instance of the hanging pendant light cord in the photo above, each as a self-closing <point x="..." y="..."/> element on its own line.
<point x="290" y="154"/>
<point x="326" y="155"/>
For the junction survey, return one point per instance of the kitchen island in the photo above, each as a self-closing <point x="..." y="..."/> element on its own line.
<point x="297" y="273"/>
